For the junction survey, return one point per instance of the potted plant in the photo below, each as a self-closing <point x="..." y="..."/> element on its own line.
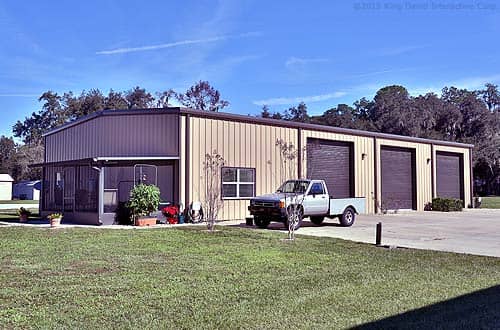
<point x="144" y="199"/>
<point x="171" y="212"/>
<point x="55" y="219"/>
<point x="23" y="214"/>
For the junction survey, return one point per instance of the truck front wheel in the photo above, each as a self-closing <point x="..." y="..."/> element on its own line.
<point x="347" y="218"/>
<point x="317" y="220"/>
<point x="261" y="222"/>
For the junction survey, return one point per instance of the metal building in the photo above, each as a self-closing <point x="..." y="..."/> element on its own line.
<point x="91" y="164"/>
<point x="6" y="187"/>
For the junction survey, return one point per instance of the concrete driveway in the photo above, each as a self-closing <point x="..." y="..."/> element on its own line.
<point x="475" y="231"/>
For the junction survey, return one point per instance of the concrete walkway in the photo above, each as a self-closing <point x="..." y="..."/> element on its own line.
<point x="471" y="231"/>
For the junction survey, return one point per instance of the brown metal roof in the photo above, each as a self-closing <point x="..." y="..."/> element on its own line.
<point x="255" y="120"/>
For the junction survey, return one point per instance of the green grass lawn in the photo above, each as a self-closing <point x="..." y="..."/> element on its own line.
<point x="18" y="202"/>
<point x="234" y="278"/>
<point x="490" y="202"/>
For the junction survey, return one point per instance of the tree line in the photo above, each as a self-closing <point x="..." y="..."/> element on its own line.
<point x="457" y="115"/>
<point x="56" y="110"/>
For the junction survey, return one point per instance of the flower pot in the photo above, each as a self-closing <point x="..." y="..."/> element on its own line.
<point x="172" y="220"/>
<point x="141" y="222"/>
<point x="54" y="222"/>
<point x="23" y="218"/>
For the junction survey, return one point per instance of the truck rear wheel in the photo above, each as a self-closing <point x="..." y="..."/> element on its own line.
<point x="347" y="218"/>
<point x="261" y="222"/>
<point x="317" y="220"/>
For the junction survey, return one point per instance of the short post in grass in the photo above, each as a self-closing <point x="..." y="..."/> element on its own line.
<point x="378" y="235"/>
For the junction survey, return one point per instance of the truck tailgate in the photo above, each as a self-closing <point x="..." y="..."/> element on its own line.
<point x="338" y="205"/>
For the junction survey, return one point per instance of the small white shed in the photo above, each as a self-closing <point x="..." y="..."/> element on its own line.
<point x="29" y="190"/>
<point x="5" y="187"/>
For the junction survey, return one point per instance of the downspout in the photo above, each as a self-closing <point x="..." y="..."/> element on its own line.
<point x="433" y="191"/>
<point x="375" y="176"/>
<point x="471" y="175"/>
<point x="188" y="161"/>
<point x="299" y="153"/>
<point x="41" y="202"/>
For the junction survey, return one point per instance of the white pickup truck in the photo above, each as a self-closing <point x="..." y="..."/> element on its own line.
<point x="312" y="198"/>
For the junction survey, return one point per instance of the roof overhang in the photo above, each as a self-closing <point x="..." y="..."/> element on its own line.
<point x="109" y="159"/>
<point x="104" y="159"/>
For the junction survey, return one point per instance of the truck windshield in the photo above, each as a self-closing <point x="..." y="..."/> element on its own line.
<point x="294" y="186"/>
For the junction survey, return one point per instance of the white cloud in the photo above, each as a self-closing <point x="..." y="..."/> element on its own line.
<point x="175" y="44"/>
<point x="470" y="83"/>
<point x="294" y="61"/>
<point x="400" y="50"/>
<point x="18" y="95"/>
<point x="475" y="82"/>
<point x="293" y="100"/>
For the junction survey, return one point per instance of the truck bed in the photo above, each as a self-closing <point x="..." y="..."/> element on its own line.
<point x="338" y="205"/>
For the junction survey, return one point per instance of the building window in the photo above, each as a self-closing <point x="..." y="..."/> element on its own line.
<point x="238" y="183"/>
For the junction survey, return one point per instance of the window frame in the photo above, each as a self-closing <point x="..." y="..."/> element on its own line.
<point x="237" y="183"/>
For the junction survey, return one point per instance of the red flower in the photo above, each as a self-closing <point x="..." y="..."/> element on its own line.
<point x="171" y="212"/>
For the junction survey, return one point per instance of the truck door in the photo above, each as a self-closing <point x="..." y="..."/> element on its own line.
<point x="316" y="201"/>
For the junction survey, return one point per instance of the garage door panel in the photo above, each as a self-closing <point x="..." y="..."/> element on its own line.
<point x="449" y="175"/>
<point x="398" y="178"/>
<point x="331" y="161"/>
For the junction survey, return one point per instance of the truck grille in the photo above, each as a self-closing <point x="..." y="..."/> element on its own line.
<point x="263" y="204"/>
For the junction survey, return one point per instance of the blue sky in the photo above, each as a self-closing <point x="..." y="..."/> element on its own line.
<point x="255" y="52"/>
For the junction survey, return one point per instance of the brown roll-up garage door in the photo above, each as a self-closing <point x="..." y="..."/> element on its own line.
<point x="449" y="175"/>
<point x="398" y="178"/>
<point x="332" y="161"/>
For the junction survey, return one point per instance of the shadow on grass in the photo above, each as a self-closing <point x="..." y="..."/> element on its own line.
<point x="477" y="310"/>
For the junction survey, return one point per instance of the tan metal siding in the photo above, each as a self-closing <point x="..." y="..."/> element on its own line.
<point x="118" y="136"/>
<point x="253" y="145"/>
<point x="466" y="158"/>
<point x="182" y="161"/>
<point x="241" y="145"/>
<point x="422" y="166"/>
<point x="363" y="168"/>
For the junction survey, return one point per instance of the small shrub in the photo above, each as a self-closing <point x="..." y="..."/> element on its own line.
<point x="123" y="216"/>
<point x="447" y="204"/>
<point x="144" y="199"/>
<point x="54" y="216"/>
<point x="23" y="211"/>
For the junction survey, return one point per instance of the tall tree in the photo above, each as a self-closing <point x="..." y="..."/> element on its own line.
<point x="265" y="112"/>
<point x="139" y="98"/>
<point x="83" y="105"/>
<point x="491" y="97"/>
<point x="115" y="101"/>
<point x="391" y="112"/>
<point x="163" y="98"/>
<point x="51" y="115"/>
<point x="340" y="116"/>
<point x="299" y="113"/>
<point x="202" y="96"/>
<point x="7" y="150"/>
<point x="25" y="156"/>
